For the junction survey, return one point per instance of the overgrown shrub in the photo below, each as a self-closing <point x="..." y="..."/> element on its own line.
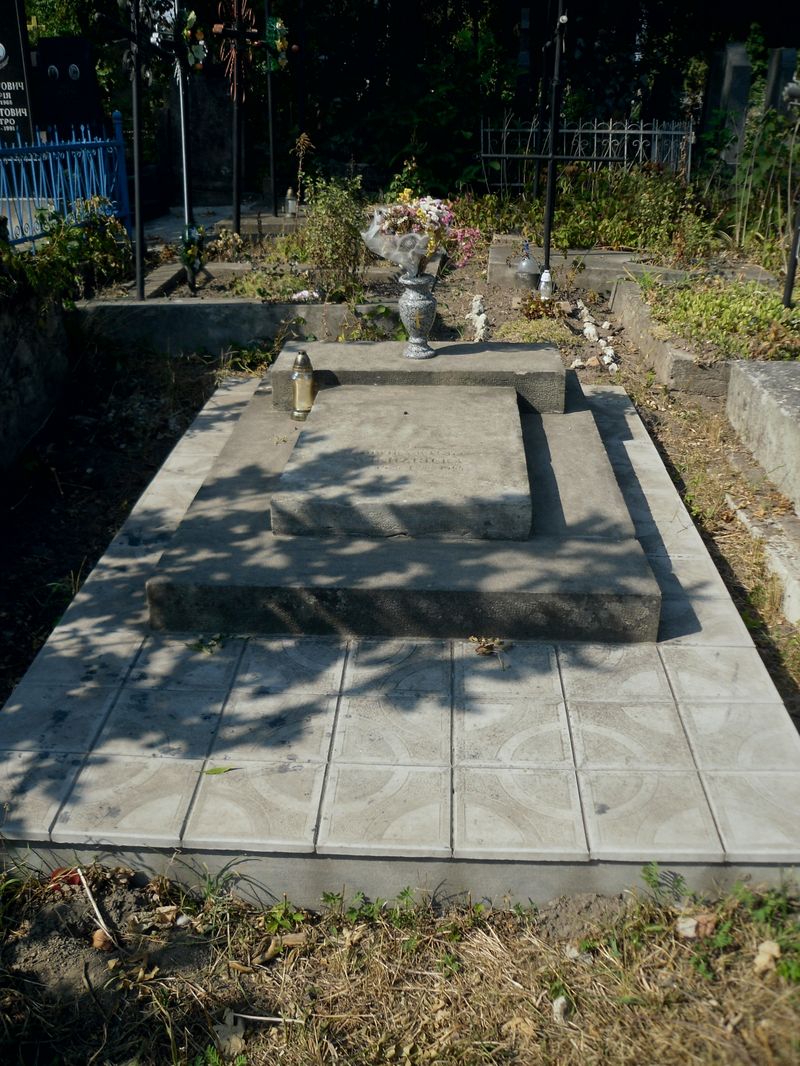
<point x="74" y="256"/>
<point x="641" y="209"/>
<point x="331" y="238"/>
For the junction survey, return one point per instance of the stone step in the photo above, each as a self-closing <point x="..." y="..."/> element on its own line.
<point x="581" y="575"/>
<point x="399" y="461"/>
<point x="535" y="370"/>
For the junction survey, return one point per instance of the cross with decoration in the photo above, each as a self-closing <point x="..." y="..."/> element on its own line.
<point x="239" y="34"/>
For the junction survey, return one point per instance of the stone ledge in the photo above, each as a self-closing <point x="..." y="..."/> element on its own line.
<point x="189" y="325"/>
<point x="535" y="371"/>
<point x="674" y="367"/>
<point x="764" y="408"/>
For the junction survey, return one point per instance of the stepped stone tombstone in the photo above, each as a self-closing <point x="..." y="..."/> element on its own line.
<point x="417" y="500"/>
<point x="781" y="70"/>
<point x="398" y="460"/>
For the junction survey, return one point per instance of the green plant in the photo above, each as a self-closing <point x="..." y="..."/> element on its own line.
<point x="274" y="284"/>
<point x="408" y="179"/>
<point x="740" y="319"/>
<point x="332" y="237"/>
<point x="377" y="324"/>
<point x="226" y="247"/>
<point x="77" y="254"/>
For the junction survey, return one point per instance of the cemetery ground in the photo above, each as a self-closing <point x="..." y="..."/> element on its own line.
<point x="194" y="976"/>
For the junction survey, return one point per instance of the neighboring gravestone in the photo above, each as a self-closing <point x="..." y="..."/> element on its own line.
<point x="782" y="67"/>
<point x="67" y="92"/>
<point x="397" y="460"/>
<point x="15" y="103"/>
<point x="734" y="98"/>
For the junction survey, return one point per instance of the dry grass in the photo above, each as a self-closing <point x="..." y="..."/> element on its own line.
<point x="403" y="982"/>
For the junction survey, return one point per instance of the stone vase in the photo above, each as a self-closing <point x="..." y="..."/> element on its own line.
<point x="417" y="306"/>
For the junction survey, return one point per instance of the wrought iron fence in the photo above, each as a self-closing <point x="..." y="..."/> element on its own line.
<point x="510" y="152"/>
<point x="54" y="175"/>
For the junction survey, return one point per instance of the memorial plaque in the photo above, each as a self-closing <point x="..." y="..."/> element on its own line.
<point x="15" y="104"/>
<point x="444" y="461"/>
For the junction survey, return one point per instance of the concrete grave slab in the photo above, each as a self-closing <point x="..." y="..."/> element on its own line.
<point x="399" y="461"/>
<point x="488" y="808"/>
<point x="535" y="370"/>
<point x="226" y="571"/>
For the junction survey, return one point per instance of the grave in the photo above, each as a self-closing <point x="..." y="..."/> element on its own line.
<point x="370" y="538"/>
<point x="395" y="460"/>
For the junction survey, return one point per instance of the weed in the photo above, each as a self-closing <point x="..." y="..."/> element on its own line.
<point x="739" y="319"/>
<point x="283" y="918"/>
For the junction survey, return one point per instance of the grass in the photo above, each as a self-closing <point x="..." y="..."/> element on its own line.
<point x="406" y="981"/>
<point x="743" y="320"/>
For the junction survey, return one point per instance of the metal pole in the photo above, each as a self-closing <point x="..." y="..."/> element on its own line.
<point x="791" y="266"/>
<point x="555" y="99"/>
<point x="237" y="178"/>
<point x="183" y="90"/>
<point x="270" y="130"/>
<point x="137" y="148"/>
<point x="187" y="202"/>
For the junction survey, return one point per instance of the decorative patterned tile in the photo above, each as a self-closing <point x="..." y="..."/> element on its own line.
<point x="736" y="675"/>
<point x="612" y="671"/>
<point x="688" y="576"/>
<point x="275" y="727"/>
<point x="613" y="736"/>
<point x="82" y="662"/>
<point x="191" y="662"/>
<point x="644" y="816"/>
<point x="54" y="718"/>
<point x="741" y="736"/>
<point x="401" y="666"/>
<point x="122" y="800"/>
<point x="392" y="730"/>
<point x="386" y="810"/>
<point x="163" y="723"/>
<point x="757" y="814"/>
<point x="33" y="785"/>
<point x="525" y="815"/>
<point x="306" y="664"/>
<point x="512" y="733"/>
<point x="257" y="807"/>
<point x="703" y="621"/>
<point x="525" y="670"/>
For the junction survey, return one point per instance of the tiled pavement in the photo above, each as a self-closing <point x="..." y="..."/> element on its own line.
<point x="572" y="757"/>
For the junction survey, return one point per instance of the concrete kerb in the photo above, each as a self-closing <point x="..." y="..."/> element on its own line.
<point x="189" y="325"/>
<point x="764" y="408"/>
<point x="673" y="366"/>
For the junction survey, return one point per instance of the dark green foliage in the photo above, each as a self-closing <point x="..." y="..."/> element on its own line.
<point x="74" y="257"/>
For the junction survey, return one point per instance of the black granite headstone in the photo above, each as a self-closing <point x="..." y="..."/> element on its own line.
<point x="15" y="103"/>
<point x="67" y="94"/>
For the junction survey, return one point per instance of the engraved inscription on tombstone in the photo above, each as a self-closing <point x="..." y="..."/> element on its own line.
<point x="15" y="104"/>
<point x="439" y="461"/>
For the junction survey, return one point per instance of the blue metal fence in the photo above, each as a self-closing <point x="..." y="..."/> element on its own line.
<point x="53" y="175"/>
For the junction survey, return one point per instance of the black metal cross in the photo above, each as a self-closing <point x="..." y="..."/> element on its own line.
<point x="238" y="34"/>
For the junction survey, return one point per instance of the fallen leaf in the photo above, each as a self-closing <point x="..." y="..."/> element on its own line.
<point x="768" y="952"/>
<point x="706" y="924"/>
<point x="101" y="941"/>
<point x="239" y="967"/>
<point x="294" y="940"/>
<point x="230" y="1035"/>
<point x="220" y="769"/>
